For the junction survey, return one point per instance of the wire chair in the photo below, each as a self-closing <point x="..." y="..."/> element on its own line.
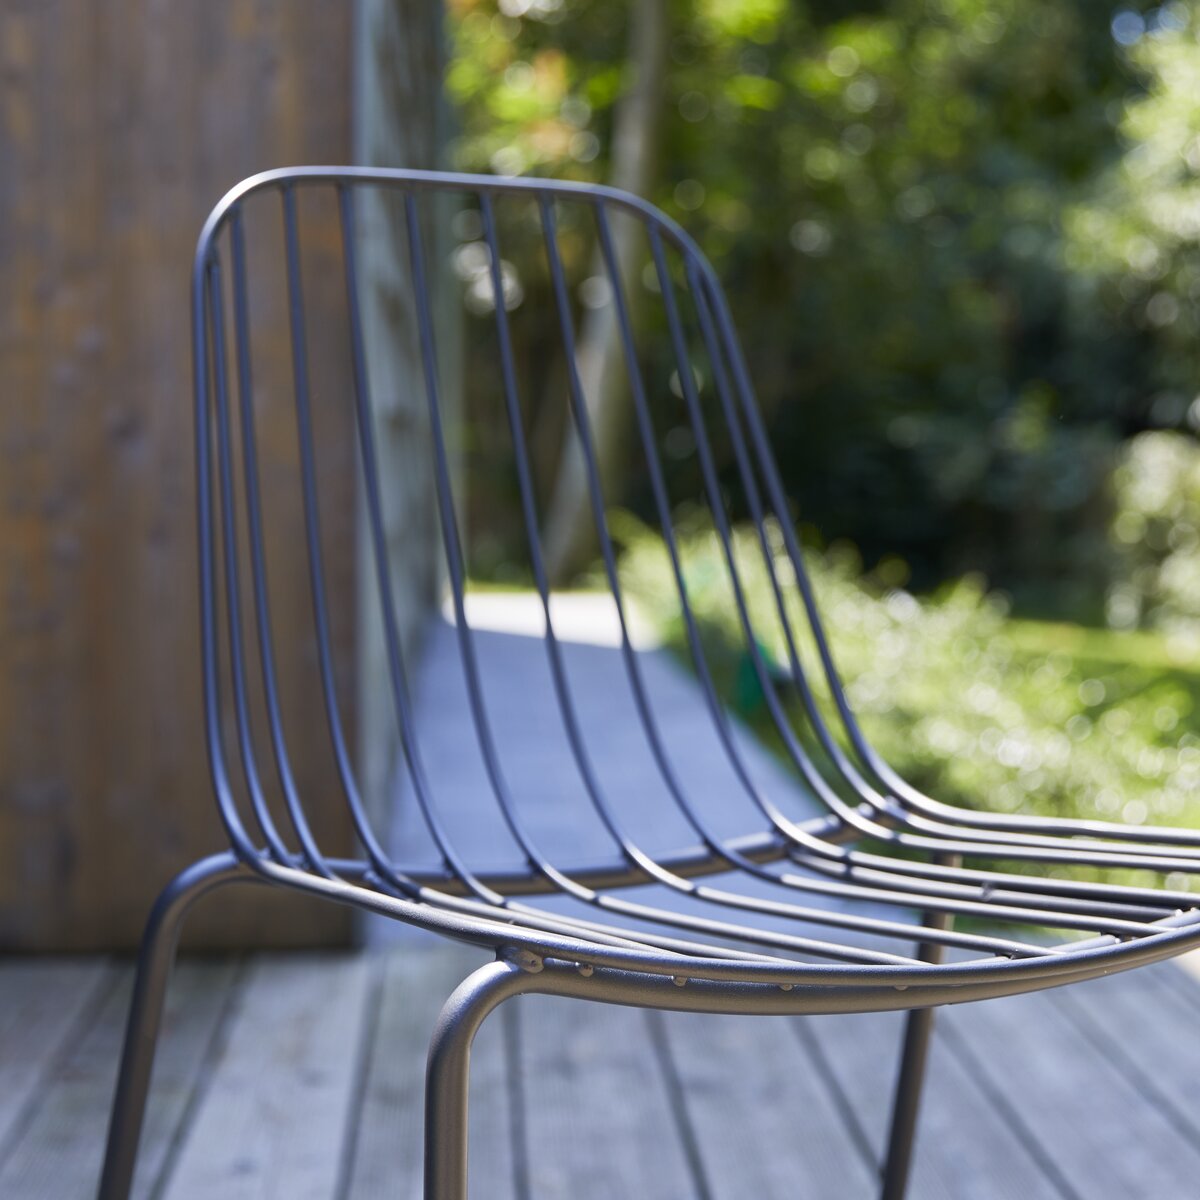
<point x="797" y="915"/>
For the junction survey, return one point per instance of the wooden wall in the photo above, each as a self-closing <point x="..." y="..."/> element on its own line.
<point x="121" y="123"/>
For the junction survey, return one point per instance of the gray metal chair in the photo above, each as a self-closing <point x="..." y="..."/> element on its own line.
<point x="747" y="940"/>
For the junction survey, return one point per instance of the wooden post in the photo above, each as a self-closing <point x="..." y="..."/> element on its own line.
<point x="120" y="125"/>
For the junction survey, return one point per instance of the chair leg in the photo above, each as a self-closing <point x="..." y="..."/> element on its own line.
<point x="448" y="1073"/>
<point x="906" y="1101"/>
<point x="155" y="959"/>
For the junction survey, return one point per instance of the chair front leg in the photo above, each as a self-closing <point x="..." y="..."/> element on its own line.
<point x="447" y="1076"/>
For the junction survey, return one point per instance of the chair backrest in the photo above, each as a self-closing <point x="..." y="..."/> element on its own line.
<point x="689" y="394"/>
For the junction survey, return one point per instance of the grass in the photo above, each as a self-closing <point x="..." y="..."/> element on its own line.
<point x="971" y="705"/>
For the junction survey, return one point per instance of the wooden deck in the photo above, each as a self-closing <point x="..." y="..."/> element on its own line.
<point x="300" y="1076"/>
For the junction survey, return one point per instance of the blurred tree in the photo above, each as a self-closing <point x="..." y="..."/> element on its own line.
<point x="892" y="191"/>
<point x="1157" y="528"/>
<point x="1135" y="240"/>
<point x="569" y="534"/>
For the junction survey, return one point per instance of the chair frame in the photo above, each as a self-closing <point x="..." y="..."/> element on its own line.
<point x="537" y="951"/>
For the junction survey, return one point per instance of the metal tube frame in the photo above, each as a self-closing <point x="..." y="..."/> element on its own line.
<point x="447" y="1078"/>
<point x="699" y="962"/>
<point x="521" y="970"/>
<point x="155" y="960"/>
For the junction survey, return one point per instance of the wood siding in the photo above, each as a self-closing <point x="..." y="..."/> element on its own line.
<point x="121" y="124"/>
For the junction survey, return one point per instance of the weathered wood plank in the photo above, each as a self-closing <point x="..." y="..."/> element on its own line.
<point x="43" y="1003"/>
<point x="385" y="1159"/>
<point x="273" y="1117"/>
<point x="204" y="993"/>
<point x="598" y="1115"/>
<point x="764" y="1123"/>
<point x="60" y="1149"/>
<point x="1075" y="1103"/>
<point x="1135" y="1020"/>
<point x="964" y="1146"/>
<point x="1188" y="965"/>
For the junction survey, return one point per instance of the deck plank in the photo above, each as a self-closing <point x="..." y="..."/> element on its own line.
<point x="1076" y="1103"/>
<point x="204" y="992"/>
<point x="44" y="1001"/>
<point x="599" y="1117"/>
<point x="60" y="1151"/>
<point x="273" y="1117"/>
<point x="763" y="1120"/>
<point x="963" y="1146"/>
<point x="385" y="1160"/>
<point x="1134" y="1019"/>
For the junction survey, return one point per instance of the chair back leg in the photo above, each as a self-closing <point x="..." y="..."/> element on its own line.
<point x="906" y="1102"/>
<point x="155" y="959"/>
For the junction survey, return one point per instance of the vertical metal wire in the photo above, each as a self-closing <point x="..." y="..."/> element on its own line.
<point x="713" y="704"/>
<point x="759" y="523"/>
<point x="525" y="486"/>
<point x="882" y="771"/>
<point x="579" y="410"/>
<point x="580" y="414"/>
<point x="662" y="505"/>
<point x="202" y="335"/>
<point x="774" y="487"/>
<point x="233" y="596"/>
<point x="401" y="700"/>
<point x="312" y="522"/>
<point x="452" y="548"/>
<point x="258" y="564"/>
<point x="812" y="777"/>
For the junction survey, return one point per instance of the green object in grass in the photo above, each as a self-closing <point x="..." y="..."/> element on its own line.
<point x="748" y="698"/>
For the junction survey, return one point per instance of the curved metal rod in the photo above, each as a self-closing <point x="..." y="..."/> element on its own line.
<point x="227" y="807"/>
<point x="258" y="562"/>
<point x="1009" y="845"/>
<point x="452" y="546"/>
<point x="155" y="959"/>
<point x="233" y="597"/>
<point x="1172" y="936"/>
<point x="896" y="786"/>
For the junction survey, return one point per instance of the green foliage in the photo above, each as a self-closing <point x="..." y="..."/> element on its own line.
<point x="1135" y="238"/>
<point x="969" y="704"/>
<point x="903" y="197"/>
<point x="1157" y="527"/>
